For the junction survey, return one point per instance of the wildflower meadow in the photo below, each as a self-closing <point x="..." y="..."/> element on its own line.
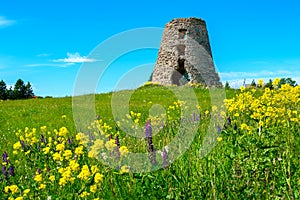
<point x="255" y="150"/>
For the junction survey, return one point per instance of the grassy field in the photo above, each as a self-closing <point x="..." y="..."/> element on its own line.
<point x="255" y="156"/>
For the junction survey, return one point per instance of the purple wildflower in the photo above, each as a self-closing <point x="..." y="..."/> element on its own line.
<point x="235" y="127"/>
<point x="43" y="138"/>
<point x="69" y="140"/>
<point x="196" y="117"/>
<point x="148" y="129"/>
<point x="219" y="129"/>
<point x="5" y="157"/>
<point x="11" y="170"/>
<point x="4" y="172"/>
<point x="153" y="157"/>
<point x="151" y="149"/>
<point x="117" y="142"/>
<point x="3" y="169"/>
<point x="164" y="156"/>
<point x="229" y="121"/>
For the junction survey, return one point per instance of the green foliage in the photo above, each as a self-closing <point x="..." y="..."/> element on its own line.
<point x="261" y="165"/>
<point x="227" y="86"/>
<point x="20" y="90"/>
<point x="253" y="84"/>
<point x="287" y="81"/>
<point x="269" y="84"/>
<point x="3" y="93"/>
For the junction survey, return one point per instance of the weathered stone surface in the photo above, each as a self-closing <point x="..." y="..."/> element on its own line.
<point x="185" y="54"/>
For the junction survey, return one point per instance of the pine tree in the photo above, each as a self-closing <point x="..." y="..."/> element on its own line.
<point x="253" y="84"/>
<point x="3" y="94"/>
<point x="227" y="86"/>
<point x="19" y="89"/>
<point x="28" y="91"/>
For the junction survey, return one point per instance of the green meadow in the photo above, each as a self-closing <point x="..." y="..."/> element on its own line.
<point x="255" y="152"/>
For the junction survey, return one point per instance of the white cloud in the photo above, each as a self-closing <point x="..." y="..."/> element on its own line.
<point x="5" y="22"/>
<point x="232" y="75"/>
<point x="75" y="58"/>
<point x="49" y="65"/>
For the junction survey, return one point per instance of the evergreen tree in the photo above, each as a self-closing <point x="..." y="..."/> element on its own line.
<point x="227" y="86"/>
<point x="3" y="94"/>
<point x="20" y="89"/>
<point x="269" y="84"/>
<point x="10" y="93"/>
<point x="286" y="81"/>
<point x="253" y="84"/>
<point x="28" y="91"/>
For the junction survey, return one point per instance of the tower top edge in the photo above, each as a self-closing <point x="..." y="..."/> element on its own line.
<point x="190" y="20"/>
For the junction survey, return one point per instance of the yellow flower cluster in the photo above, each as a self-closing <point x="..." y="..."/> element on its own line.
<point x="273" y="107"/>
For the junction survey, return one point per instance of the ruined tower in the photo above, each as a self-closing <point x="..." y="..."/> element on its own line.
<point x="185" y="54"/>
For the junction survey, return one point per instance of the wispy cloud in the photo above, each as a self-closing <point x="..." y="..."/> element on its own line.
<point x="232" y="75"/>
<point x="50" y="65"/>
<point x="5" y="22"/>
<point x="75" y="58"/>
<point x="44" y="55"/>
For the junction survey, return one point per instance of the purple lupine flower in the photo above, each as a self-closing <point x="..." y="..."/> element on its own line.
<point x="151" y="149"/>
<point x="4" y="172"/>
<point x="219" y="129"/>
<point x="164" y="156"/>
<point x="5" y="157"/>
<point x="117" y="151"/>
<point x="11" y="170"/>
<point x="43" y="138"/>
<point x="148" y="129"/>
<point x="229" y="121"/>
<point x="69" y="140"/>
<point x="23" y="144"/>
<point x="196" y="117"/>
<point x="153" y="157"/>
<point x="235" y="127"/>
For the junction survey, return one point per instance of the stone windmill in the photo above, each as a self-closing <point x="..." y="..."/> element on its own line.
<point x="185" y="54"/>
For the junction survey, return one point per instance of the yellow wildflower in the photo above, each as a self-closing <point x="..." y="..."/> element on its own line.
<point x="98" y="177"/>
<point x="85" y="173"/>
<point x="110" y="145"/>
<point x="124" y="169"/>
<point x="123" y="150"/>
<point x="57" y="157"/>
<point x="84" y="194"/>
<point x="79" y="150"/>
<point x="94" y="169"/>
<point x="38" y="178"/>
<point x="93" y="188"/>
<point x="52" y="178"/>
<point x="67" y="154"/>
<point x="46" y="150"/>
<point x="14" y="189"/>
<point x="17" y="145"/>
<point x="42" y="186"/>
<point x="60" y="147"/>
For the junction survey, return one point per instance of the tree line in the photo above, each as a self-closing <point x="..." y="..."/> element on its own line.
<point x="19" y="91"/>
<point x="269" y="84"/>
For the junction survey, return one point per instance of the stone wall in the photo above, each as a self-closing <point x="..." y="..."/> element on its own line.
<point x="185" y="54"/>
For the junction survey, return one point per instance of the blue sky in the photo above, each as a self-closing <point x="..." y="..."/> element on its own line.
<point x="46" y="42"/>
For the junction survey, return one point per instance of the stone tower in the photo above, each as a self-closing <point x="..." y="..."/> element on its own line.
<point x="185" y="54"/>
